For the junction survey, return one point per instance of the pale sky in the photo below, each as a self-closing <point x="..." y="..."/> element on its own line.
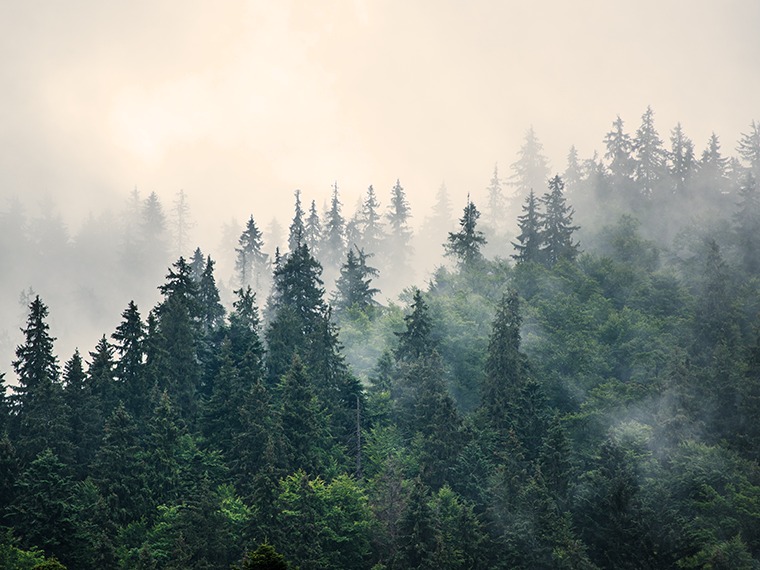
<point x="240" y="102"/>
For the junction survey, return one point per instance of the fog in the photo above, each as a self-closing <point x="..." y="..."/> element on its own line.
<point x="240" y="104"/>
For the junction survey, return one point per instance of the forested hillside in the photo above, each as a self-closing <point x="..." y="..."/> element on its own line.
<point x="576" y="387"/>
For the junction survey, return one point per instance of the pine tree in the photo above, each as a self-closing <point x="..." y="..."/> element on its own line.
<point x="243" y="334"/>
<point x="619" y="154"/>
<point x="41" y="414"/>
<point x="573" y="175"/>
<point x="749" y="148"/>
<point x="400" y="234"/>
<point x="313" y="230"/>
<point x="250" y="259"/>
<point x="506" y="366"/>
<point x="650" y="156"/>
<point x="297" y="229"/>
<point x="152" y="235"/>
<point x="531" y="170"/>
<point x="353" y="289"/>
<point x="556" y="225"/>
<point x="211" y="309"/>
<point x="308" y="441"/>
<point x="101" y="376"/>
<point x="129" y="338"/>
<point x="85" y="420"/>
<point x="497" y="203"/>
<point x="335" y="233"/>
<point x="681" y="159"/>
<point x="370" y="223"/>
<point x="197" y="263"/>
<point x="416" y="341"/>
<point x="466" y="243"/>
<point x="531" y="239"/>
<point x="712" y="170"/>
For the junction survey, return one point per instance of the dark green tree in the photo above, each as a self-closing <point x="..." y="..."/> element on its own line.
<point x="101" y="377"/>
<point x="465" y="244"/>
<point x="506" y="366"/>
<point x="530" y="237"/>
<point x="265" y="557"/>
<point x="353" y="290"/>
<point x="40" y="412"/>
<point x="211" y="309"/>
<point x="129" y="340"/>
<point x="556" y="225"/>
<point x="416" y="341"/>
<point x="85" y="418"/>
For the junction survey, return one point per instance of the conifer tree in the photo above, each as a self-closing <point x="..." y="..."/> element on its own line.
<point x="399" y="232"/>
<point x="681" y="159"/>
<point x="250" y="258"/>
<point x="353" y="289"/>
<point x="466" y="243"/>
<point x="619" y="154"/>
<point x="531" y="170"/>
<point x="506" y="366"/>
<point x="41" y="415"/>
<point x="85" y="411"/>
<point x="650" y="155"/>
<point x="211" y="309"/>
<point x="370" y="223"/>
<point x="712" y="169"/>
<point x="334" y="233"/>
<point x="296" y="232"/>
<point x="416" y="341"/>
<point x="129" y="338"/>
<point x="313" y="230"/>
<point x="243" y="333"/>
<point x="556" y="225"/>
<point x="182" y="224"/>
<point x="101" y="376"/>
<point x="497" y="203"/>
<point x="308" y="441"/>
<point x="197" y="263"/>
<point x="530" y="237"/>
<point x="573" y="175"/>
<point x="749" y="148"/>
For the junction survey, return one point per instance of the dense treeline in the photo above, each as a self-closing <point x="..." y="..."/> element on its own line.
<point x="542" y="403"/>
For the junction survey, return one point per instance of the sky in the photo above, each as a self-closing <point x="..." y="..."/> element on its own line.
<point x="239" y="103"/>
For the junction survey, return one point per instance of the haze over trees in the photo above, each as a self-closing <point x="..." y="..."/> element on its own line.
<point x="576" y="388"/>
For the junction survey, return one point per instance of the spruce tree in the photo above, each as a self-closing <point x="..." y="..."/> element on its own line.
<point x="129" y="339"/>
<point x="41" y="415"/>
<point x="619" y="154"/>
<point x="573" y="175"/>
<point x="250" y="260"/>
<point x="681" y="159"/>
<point x="530" y="237"/>
<point x="211" y="309"/>
<point x="416" y="341"/>
<point x="712" y="170"/>
<point x="531" y="170"/>
<point x="334" y="243"/>
<point x="650" y="155"/>
<point x="370" y="223"/>
<point x="353" y="290"/>
<point x="497" y="203"/>
<point x="465" y="244"/>
<point x="556" y="225"/>
<point x="506" y="366"/>
<point x="197" y="263"/>
<point x="749" y="148"/>
<point x="313" y="230"/>
<point x="296" y="232"/>
<point x="399" y="232"/>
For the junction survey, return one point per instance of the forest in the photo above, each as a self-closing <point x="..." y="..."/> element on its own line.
<point x="574" y="387"/>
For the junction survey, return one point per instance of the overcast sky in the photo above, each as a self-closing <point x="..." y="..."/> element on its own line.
<point x="238" y="103"/>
